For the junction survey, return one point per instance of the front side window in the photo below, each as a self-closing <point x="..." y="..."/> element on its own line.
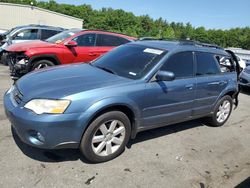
<point x="58" y="38"/>
<point x="180" y="64"/>
<point x="110" y="40"/>
<point x="206" y="64"/>
<point x="86" y="39"/>
<point x="28" y="34"/>
<point x="130" y="61"/>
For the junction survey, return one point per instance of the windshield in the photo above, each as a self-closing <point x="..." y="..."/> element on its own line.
<point x="130" y="61"/>
<point x="8" y="33"/>
<point x="62" y="36"/>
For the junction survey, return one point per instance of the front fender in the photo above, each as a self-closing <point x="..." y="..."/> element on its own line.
<point x="113" y="101"/>
<point x="103" y="104"/>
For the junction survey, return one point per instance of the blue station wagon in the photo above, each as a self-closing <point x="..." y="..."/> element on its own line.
<point x="145" y="84"/>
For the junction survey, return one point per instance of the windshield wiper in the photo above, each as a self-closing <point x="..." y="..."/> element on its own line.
<point x="106" y="69"/>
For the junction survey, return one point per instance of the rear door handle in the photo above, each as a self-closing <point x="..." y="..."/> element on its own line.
<point x="214" y="83"/>
<point x="190" y="86"/>
<point x="223" y="82"/>
<point x="218" y="83"/>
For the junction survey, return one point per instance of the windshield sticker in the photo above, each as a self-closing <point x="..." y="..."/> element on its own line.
<point x="153" y="51"/>
<point x="70" y="33"/>
<point x="132" y="73"/>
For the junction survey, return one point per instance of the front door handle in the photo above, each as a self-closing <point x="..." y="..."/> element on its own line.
<point x="189" y="86"/>
<point x="92" y="54"/>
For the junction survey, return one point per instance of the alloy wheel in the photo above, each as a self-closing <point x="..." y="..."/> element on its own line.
<point x="223" y="111"/>
<point x="41" y="66"/>
<point x="108" y="138"/>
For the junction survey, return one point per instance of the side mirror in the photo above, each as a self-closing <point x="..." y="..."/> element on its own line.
<point x="70" y="43"/>
<point x="165" y="76"/>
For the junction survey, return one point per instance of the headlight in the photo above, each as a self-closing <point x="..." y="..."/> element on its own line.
<point x="10" y="90"/>
<point x="22" y="62"/>
<point x="40" y="106"/>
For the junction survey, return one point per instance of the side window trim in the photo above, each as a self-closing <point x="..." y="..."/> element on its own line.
<point x="39" y="34"/>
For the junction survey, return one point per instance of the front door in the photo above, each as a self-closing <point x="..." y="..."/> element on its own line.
<point x="84" y="51"/>
<point x="171" y="101"/>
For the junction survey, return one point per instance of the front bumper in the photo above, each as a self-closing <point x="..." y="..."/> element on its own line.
<point x="244" y="79"/>
<point x="17" y="70"/>
<point x="44" y="131"/>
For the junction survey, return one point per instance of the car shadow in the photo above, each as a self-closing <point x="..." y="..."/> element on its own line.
<point x="244" y="184"/>
<point x="43" y="155"/>
<point x="62" y="155"/>
<point x="245" y="90"/>
<point x="164" y="131"/>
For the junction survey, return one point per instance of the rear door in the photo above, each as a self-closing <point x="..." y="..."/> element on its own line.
<point x="172" y="101"/>
<point x="210" y="82"/>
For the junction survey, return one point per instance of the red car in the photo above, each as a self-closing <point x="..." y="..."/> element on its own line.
<point x="70" y="46"/>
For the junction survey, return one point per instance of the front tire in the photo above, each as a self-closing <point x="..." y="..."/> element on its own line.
<point x="222" y="112"/>
<point x="106" y="137"/>
<point x="42" y="64"/>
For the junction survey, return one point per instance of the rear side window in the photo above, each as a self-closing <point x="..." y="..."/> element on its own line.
<point x="110" y="40"/>
<point x="86" y="39"/>
<point x="28" y="34"/>
<point x="206" y="64"/>
<point x="48" y="33"/>
<point x="180" y="64"/>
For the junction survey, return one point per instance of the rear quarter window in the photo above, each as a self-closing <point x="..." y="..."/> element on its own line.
<point x="226" y="63"/>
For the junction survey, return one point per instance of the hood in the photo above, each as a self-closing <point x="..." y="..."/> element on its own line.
<point x="62" y="81"/>
<point x="24" y="46"/>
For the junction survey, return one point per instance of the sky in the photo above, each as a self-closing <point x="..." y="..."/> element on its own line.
<point x="212" y="14"/>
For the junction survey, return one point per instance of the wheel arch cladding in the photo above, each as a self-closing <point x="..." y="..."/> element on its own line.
<point x="127" y="109"/>
<point x="233" y="94"/>
<point x="51" y="58"/>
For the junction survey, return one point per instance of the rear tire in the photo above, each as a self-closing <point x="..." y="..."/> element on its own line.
<point x="106" y="137"/>
<point x="42" y="64"/>
<point x="222" y="112"/>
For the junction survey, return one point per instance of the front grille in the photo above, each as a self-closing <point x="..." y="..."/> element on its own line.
<point x="17" y="95"/>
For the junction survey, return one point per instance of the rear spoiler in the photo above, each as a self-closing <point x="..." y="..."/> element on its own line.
<point x="237" y="66"/>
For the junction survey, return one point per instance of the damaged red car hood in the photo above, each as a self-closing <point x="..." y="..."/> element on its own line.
<point x="24" y="46"/>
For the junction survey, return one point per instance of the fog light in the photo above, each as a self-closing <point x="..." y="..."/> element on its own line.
<point x="36" y="137"/>
<point x="40" y="137"/>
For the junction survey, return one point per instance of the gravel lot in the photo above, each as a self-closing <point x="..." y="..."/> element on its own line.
<point x="183" y="155"/>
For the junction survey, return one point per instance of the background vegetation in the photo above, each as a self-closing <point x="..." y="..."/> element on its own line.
<point x="138" y="26"/>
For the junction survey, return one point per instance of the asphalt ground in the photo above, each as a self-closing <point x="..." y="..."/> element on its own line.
<point x="189" y="154"/>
